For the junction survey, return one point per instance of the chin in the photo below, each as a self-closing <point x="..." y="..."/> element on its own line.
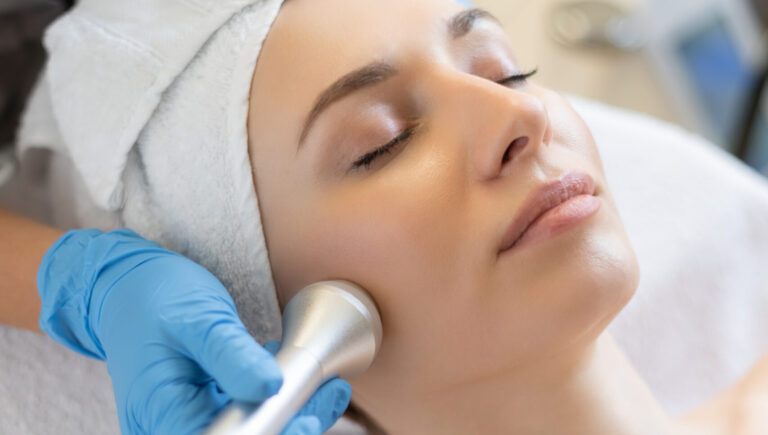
<point x="602" y="288"/>
<point x="579" y="282"/>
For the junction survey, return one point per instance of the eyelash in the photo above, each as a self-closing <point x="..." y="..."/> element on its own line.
<point x="366" y="160"/>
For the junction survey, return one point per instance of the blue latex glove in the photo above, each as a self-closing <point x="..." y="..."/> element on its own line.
<point x="174" y="346"/>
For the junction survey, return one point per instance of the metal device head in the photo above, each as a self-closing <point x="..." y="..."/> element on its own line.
<point x="338" y="323"/>
<point x="330" y="329"/>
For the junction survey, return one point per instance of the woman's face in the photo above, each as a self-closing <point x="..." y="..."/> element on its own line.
<point x="421" y="226"/>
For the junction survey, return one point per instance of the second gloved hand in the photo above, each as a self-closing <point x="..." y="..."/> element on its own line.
<point x="169" y="331"/>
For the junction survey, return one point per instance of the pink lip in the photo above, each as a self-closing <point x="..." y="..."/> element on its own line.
<point x="571" y="188"/>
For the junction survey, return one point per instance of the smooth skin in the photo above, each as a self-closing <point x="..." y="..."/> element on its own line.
<point x="475" y="341"/>
<point x="23" y="243"/>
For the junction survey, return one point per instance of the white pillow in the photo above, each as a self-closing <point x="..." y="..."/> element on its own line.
<point x="698" y="220"/>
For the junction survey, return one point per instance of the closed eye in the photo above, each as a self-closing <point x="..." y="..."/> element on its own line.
<point x="516" y="78"/>
<point x="366" y="160"/>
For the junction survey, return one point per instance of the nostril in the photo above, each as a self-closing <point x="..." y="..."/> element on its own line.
<point x="514" y="148"/>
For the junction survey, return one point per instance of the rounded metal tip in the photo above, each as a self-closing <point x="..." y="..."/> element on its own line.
<point x="338" y="322"/>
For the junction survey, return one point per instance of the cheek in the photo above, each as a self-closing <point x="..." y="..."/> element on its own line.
<point x="402" y="236"/>
<point x="394" y="234"/>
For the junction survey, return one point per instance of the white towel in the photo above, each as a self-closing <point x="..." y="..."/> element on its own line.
<point x="150" y="100"/>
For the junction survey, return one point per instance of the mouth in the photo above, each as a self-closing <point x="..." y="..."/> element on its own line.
<point x="575" y="188"/>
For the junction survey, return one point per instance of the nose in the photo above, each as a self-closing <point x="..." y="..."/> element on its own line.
<point x="501" y="124"/>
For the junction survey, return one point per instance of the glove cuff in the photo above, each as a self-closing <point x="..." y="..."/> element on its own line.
<point x="67" y="278"/>
<point x="65" y="293"/>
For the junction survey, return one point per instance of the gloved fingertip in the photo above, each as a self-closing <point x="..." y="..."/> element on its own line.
<point x="303" y="425"/>
<point x="241" y="366"/>
<point x="269" y="373"/>
<point x="329" y="402"/>
<point x="272" y="346"/>
<point x="343" y="393"/>
<point x="270" y="380"/>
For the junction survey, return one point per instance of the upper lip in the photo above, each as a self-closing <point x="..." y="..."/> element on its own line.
<point x="546" y="197"/>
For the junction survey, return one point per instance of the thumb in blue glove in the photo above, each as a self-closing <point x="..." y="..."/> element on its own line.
<point x="316" y="411"/>
<point x="169" y="331"/>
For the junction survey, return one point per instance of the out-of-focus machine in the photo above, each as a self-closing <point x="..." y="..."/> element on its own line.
<point x="710" y="55"/>
<point x="22" y="23"/>
<point x="753" y="143"/>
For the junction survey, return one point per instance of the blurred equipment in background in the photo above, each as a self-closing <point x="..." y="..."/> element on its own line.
<point x="710" y="54"/>
<point x="22" y="23"/>
<point x="761" y="7"/>
<point x="753" y="143"/>
<point x="596" y="24"/>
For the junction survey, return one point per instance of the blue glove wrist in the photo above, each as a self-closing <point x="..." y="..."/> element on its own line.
<point x="65" y="291"/>
<point x="67" y="278"/>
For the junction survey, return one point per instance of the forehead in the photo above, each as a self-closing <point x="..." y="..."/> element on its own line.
<point x="312" y="43"/>
<point x="349" y="32"/>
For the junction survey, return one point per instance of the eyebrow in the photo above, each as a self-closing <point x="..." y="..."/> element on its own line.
<point x="378" y="71"/>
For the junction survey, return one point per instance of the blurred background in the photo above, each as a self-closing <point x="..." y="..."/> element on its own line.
<point x="697" y="63"/>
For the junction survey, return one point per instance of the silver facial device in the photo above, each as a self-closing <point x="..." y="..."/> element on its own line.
<point x="330" y="329"/>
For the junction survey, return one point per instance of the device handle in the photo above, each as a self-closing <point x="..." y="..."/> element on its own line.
<point x="302" y="373"/>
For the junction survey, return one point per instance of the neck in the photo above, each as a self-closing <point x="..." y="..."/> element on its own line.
<point x="596" y="391"/>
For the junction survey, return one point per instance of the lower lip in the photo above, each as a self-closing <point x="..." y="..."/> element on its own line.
<point x="560" y="219"/>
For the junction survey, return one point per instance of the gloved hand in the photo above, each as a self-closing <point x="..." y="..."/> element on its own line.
<point x="174" y="346"/>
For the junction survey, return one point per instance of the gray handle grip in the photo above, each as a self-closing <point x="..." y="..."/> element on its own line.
<point x="302" y="373"/>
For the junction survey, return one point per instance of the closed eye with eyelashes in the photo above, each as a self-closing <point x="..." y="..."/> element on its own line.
<point x="364" y="162"/>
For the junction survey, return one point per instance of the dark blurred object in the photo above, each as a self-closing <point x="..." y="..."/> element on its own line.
<point x="22" y="23"/>
<point x="761" y="7"/>
<point x="753" y="142"/>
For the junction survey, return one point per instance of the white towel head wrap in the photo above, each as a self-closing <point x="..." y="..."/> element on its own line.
<point x="150" y="99"/>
